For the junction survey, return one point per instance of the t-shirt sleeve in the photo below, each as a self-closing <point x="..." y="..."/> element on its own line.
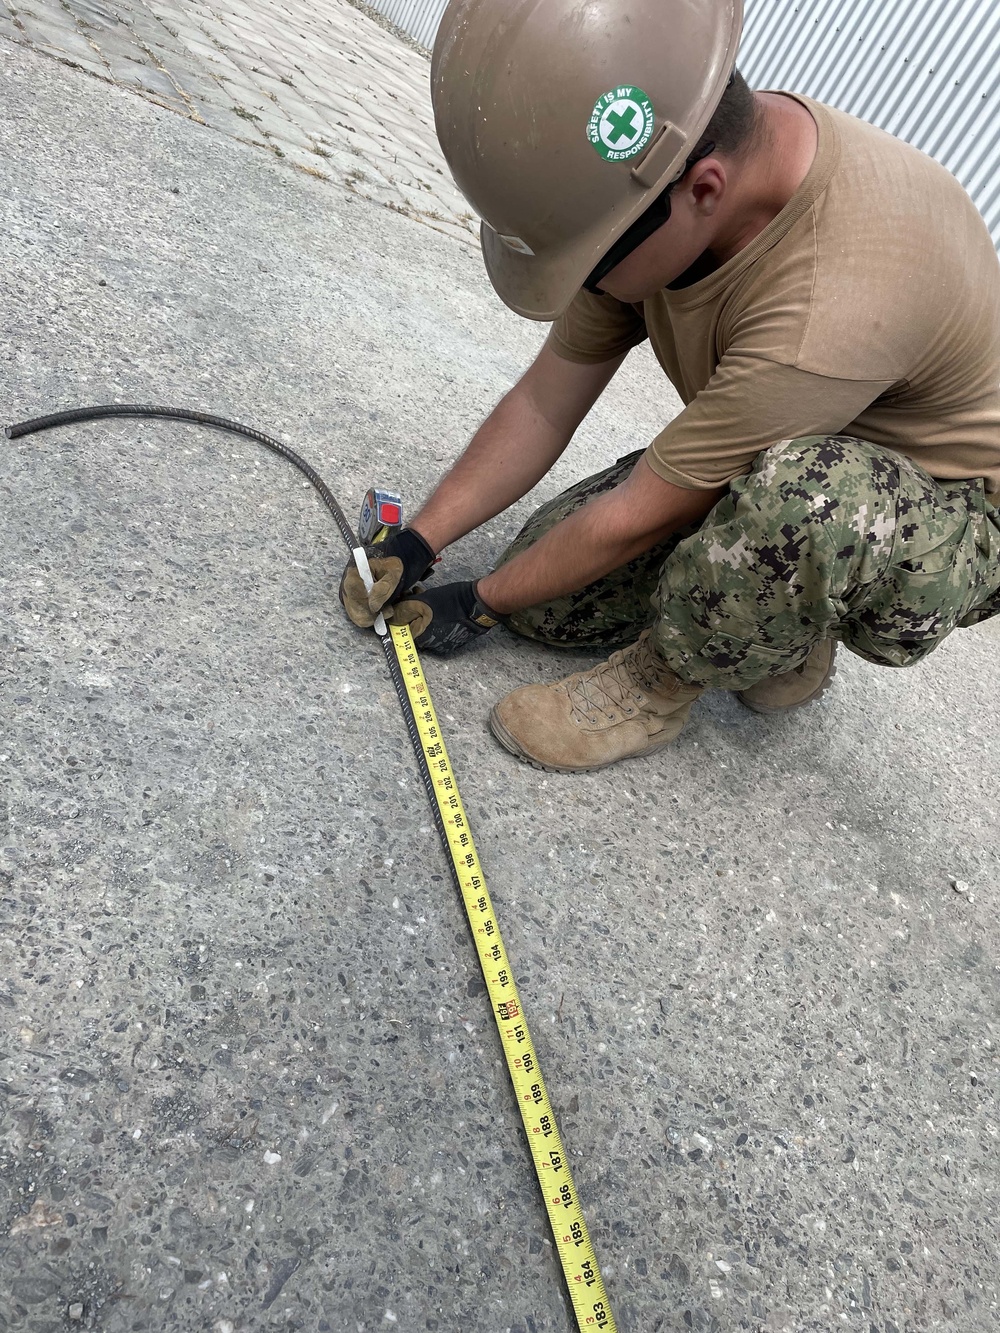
<point x="595" y="329"/>
<point x="748" y="405"/>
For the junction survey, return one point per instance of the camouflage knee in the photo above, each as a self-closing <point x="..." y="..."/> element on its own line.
<point x="546" y="516"/>
<point x="607" y="614"/>
<point x="827" y="537"/>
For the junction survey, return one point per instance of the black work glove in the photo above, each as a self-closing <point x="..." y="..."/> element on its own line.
<point x="397" y="564"/>
<point x="446" y="618"/>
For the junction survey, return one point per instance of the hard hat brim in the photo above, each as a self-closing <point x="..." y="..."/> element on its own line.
<point x="535" y="286"/>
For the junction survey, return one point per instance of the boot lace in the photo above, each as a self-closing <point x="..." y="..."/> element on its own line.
<point x="617" y="687"/>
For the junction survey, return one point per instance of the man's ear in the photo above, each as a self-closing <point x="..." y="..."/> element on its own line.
<point x="708" y="185"/>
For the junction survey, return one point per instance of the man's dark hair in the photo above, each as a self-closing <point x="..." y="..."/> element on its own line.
<point x="734" y="126"/>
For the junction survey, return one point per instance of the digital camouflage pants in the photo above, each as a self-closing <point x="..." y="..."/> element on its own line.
<point x="826" y="537"/>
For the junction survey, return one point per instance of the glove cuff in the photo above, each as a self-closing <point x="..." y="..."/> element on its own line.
<point x="482" y="613"/>
<point x="410" y="547"/>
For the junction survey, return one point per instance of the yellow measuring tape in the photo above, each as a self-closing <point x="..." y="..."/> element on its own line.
<point x="569" y="1230"/>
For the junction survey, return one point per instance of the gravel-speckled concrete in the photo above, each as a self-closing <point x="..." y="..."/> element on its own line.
<point x="248" y="1080"/>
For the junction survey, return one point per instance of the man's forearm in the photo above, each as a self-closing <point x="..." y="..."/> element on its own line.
<point x="516" y="445"/>
<point x="507" y="456"/>
<point x="603" y="535"/>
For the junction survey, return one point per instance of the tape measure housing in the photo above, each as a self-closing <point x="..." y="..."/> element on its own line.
<point x="381" y="514"/>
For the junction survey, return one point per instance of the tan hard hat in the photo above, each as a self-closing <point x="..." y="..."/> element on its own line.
<point x="562" y="120"/>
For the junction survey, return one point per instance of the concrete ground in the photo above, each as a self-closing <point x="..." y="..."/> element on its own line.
<point x="248" y="1079"/>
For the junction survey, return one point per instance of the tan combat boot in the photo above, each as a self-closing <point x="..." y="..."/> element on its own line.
<point x="629" y="705"/>
<point x="800" y="686"/>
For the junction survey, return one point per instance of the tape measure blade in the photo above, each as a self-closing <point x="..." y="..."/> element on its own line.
<point x="576" y="1252"/>
<point x="577" y="1257"/>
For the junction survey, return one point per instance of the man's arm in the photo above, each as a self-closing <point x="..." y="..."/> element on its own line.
<point x="748" y="405"/>
<point x="516" y="445"/>
<point x="607" y="532"/>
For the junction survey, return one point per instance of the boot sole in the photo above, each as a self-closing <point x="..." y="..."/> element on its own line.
<point x="510" y="744"/>
<point x="770" y="709"/>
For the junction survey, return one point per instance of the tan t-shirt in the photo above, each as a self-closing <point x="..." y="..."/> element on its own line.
<point x="870" y="306"/>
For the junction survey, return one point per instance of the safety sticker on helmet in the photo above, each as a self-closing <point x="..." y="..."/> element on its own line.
<point x="621" y="123"/>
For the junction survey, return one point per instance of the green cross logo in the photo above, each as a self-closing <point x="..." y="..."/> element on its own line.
<point x="621" y="123"/>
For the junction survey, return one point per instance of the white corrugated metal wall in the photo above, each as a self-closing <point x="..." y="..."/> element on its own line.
<point x="925" y="70"/>
<point x="419" y="18"/>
